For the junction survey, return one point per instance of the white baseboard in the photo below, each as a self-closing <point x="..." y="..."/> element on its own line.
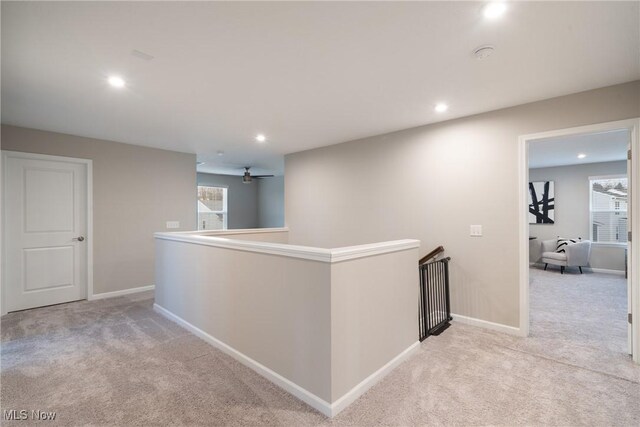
<point x="321" y="405"/>
<point x="121" y="293"/>
<point x="607" y="271"/>
<point x="360" y="389"/>
<point x="595" y="270"/>
<point x="511" y="330"/>
<point x="289" y="386"/>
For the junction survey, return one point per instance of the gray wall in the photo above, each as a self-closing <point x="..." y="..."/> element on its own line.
<point x="571" y="189"/>
<point x="256" y="205"/>
<point x="242" y="204"/>
<point x="432" y="182"/>
<point x="271" y="202"/>
<point x="135" y="191"/>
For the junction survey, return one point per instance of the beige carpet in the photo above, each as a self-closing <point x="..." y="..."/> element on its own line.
<point x="580" y="319"/>
<point x="116" y="362"/>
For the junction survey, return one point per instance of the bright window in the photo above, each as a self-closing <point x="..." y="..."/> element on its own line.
<point x="212" y="208"/>
<point x="608" y="209"/>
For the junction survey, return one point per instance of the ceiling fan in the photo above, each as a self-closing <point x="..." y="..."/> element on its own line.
<point x="246" y="178"/>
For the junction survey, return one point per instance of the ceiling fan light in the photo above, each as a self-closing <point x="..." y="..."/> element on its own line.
<point x="246" y="178"/>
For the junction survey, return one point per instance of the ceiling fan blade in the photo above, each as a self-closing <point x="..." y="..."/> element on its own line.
<point x="262" y="176"/>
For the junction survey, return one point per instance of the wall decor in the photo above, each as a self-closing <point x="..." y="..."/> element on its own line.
<point x="541" y="202"/>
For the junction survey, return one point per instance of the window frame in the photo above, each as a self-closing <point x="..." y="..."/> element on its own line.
<point x="591" y="211"/>
<point x="225" y="206"/>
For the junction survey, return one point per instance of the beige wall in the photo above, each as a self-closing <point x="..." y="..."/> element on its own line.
<point x="431" y="182"/>
<point x="571" y="189"/>
<point x="325" y="326"/>
<point x="135" y="191"/>
<point x="373" y="315"/>
<point x="243" y="305"/>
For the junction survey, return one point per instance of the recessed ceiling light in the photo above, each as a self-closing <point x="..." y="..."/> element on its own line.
<point x="441" y="107"/>
<point x="199" y="163"/>
<point x="261" y="138"/>
<point x="582" y="156"/>
<point x="220" y="153"/>
<point x="116" y="81"/>
<point x="495" y="9"/>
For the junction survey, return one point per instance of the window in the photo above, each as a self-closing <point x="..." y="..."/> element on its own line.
<point x="212" y="208"/>
<point x="608" y="209"/>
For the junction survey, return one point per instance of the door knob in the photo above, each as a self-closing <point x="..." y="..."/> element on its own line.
<point x="79" y="239"/>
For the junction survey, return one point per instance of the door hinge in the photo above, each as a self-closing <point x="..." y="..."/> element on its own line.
<point x="628" y="236"/>
<point x="628" y="154"/>
<point x="629" y="318"/>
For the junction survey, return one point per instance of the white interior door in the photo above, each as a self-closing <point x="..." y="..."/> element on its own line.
<point x="629" y="265"/>
<point x="45" y="213"/>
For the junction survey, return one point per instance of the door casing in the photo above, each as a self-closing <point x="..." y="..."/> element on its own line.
<point x="633" y="126"/>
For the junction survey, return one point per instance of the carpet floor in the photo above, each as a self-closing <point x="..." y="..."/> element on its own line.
<point x="117" y="362"/>
<point x="580" y="319"/>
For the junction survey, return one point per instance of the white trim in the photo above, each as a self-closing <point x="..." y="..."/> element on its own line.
<point x="120" y="293"/>
<point x="294" y="251"/>
<point x="511" y="330"/>
<point x="225" y="206"/>
<point x="361" y="251"/>
<point x="595" y="270"/>
<point x="200" y="184"/>
<point x="578" y="130"/>
<point x="89" y="209"/>
<point x="607" y="271"/>
<point x="523" y="234"/>
<point x="612" y="176"/>
<point x="621" y="245"/>
<point x="634" y="246"/>
<point x="633" y="125"/>
<point x="89" y="239"/>
<point x="360" y="389"/>
<point x="233" y="231"/>
<point x="324" y="407"/>
<point x="306" y="396"/>
<point x="591" y="211"/>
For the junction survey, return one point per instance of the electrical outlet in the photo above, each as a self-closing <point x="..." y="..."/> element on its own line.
<point x="173" y="224"/>
<point x="475" y="230"/>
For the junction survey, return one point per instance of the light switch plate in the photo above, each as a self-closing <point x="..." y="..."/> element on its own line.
<point x="173" y="224"/>
<point x="475" y="230"/>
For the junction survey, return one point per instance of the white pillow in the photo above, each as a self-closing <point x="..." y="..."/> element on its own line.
<point x="563" y="243"/>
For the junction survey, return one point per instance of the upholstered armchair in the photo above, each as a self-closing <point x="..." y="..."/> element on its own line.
<point x="575" y="255"/>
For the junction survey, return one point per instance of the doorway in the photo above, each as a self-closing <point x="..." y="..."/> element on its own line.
<point x="48" y="230"/>
<point x="609" y="225"/>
